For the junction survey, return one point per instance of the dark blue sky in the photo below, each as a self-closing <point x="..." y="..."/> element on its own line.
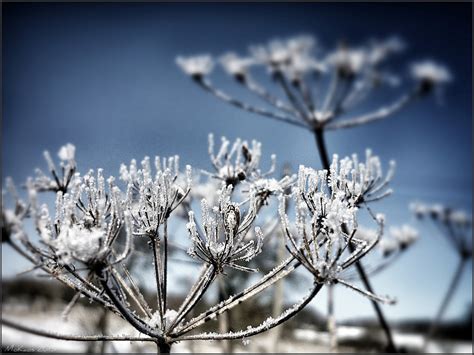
<point x="102" y="76"/>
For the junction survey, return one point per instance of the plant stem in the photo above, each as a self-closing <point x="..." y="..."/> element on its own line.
<point x="331" y="321"/>
<point x="321" y="144"/>
<point x="155" y="245"/>
<point x="163" y="348"/>
<point x="446" y="300"/>
<point x="69" y="337"/>
<point x="378" y="310"/>
<point x="319" y="136"/>
<point x="165" y="266"/>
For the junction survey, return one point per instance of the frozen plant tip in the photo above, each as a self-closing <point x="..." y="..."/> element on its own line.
<point x="151" y="198"/>
<point x="60" y="179"/>
<point x="196" y="66"/>
<point x="364" y="182"/>
<point x="12" y="218"/>
<point x="430" y="75"/>
<point x="238" y="161"/>
<point x="223" y="243"/>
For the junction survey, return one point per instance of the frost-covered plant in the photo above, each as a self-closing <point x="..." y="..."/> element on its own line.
<point x="59" y="179"/>
<point x="88" y="239"/>
<point x="325" y="226"/>
<point x="12" y="218"/>
<point x="224" y="229"/>
<point x="318" y="89"/>
<point x="88" y="220"/>
<point x="302" y="70"/>
<point x="238" y="161"/>
<point x="456" y="227"/>
<point x="391" y="246"/>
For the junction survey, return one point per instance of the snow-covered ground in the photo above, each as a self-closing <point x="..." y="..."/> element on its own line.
<point x="80" y="320"/>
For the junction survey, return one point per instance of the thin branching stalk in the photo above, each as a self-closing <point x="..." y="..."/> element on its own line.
<point x="453" y="285"/>
<point x="155" y="245"/>
<point x="165" y="266"/>
<point x="251" y="331"/>
<point x="68" y="337"/>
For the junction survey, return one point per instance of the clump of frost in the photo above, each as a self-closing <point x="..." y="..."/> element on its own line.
<point x="196" y="66"/>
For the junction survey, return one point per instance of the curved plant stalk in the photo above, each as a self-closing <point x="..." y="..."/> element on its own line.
<point x="266" y="325"/>
<point x="67" y="337"/>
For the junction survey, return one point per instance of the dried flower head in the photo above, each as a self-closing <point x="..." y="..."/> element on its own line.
<point x="236" y="66"/>
<point x="57" y="181"/>
<point x="151" y="198"/>
<point x="347" y="62"/>
<point x="87" y="222"/>
<point x="237" y="162"/>
<point x="222" y="241"/>
<point x="196" y="66"/>
<point x="325" y="227"/>
<point x="404" y="235"/>
<point x="363" y="182"/>
<point x="430" y="75"/>
<point x="12" y="218"/>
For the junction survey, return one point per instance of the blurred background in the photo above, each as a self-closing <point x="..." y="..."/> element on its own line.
<point x="103" y="77"/>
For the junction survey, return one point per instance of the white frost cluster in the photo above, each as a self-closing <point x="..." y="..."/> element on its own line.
<point x="223" y="242"/>
<point x="238" y="161"/>
<point x="348" y="62"/>
<point x="265" y="187"/>
<point x="431" y="72"/>
<point x="57" y="181"/>
<point x="87" y="221"/>
<point x="235" y="65"/>
<point x="399" y="238"/>
<point x="278" y="54"/>
<point x="152" y="197"/>
<point x="196" y="66"/>
<point x="405" y="235"/>
<point x="12" y="218"/>
<point x="364" y="182"/>
<point x="437" y="211"/>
